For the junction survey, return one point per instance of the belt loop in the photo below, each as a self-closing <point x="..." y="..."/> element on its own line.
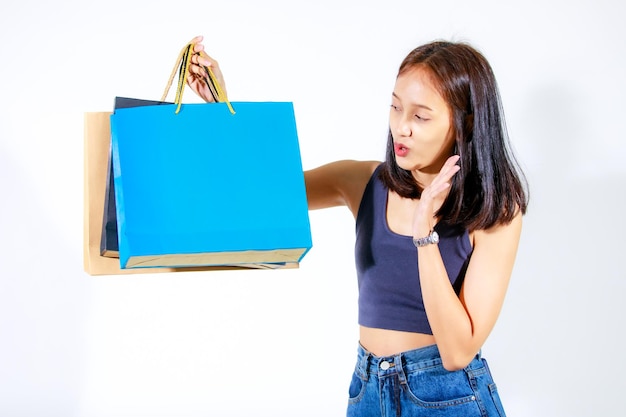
<point x="397" y="361"/>
<point x="364" y="365"/>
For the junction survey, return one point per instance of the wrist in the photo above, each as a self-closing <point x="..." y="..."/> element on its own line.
<point x="423" y="226"/>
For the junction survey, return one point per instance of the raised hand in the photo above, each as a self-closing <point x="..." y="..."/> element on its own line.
<point x="433" y="197"/>
<point x="198" y="75"/>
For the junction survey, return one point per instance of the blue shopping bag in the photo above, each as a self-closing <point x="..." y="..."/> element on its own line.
<point x="207" y="187"/>
<point x="206" y="184"/>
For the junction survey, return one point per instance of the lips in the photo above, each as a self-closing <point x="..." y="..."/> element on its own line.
<point x="400" y="149"/>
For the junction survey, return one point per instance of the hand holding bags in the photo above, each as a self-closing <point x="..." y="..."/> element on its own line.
<point x="196" y="185"/>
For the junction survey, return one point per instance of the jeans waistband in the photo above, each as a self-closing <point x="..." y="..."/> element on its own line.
<point x="401" y="363"/>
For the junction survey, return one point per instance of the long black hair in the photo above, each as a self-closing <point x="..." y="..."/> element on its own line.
<point x="490" y="188"/>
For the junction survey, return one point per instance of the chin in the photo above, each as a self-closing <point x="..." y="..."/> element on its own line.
<point x="406" y="165"/>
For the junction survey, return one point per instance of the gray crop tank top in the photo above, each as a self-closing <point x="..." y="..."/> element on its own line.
<point x="386" y="262"/>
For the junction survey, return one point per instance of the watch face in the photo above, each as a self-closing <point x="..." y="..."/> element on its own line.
<point x="434" y="237"/>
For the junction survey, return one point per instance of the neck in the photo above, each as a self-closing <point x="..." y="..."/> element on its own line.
<point x="422" y="178"/>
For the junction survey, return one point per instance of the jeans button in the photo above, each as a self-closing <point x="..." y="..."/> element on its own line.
<point x="384" y="365"/>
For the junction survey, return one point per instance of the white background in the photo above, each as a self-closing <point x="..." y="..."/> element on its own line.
<point x="283" y="343"/>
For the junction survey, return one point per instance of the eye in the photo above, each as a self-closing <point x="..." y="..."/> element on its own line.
<point x="396" y="108"/>
<point x="421" y="118"/>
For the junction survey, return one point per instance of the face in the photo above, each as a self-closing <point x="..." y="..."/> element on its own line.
<point x="420" y="124"/>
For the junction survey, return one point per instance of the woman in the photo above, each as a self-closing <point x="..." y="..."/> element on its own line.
<point x="437" y="230"/>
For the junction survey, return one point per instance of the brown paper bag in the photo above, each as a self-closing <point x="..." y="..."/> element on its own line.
<point x="97" y="143"/>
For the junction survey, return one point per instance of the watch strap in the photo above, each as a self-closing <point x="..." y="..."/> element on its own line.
<point x="431" y="239"/>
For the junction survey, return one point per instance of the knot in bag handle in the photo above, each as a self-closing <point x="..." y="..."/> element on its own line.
<point x="183" y="63"/>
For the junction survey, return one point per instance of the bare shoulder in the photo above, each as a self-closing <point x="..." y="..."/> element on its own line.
<point x="496" y="248"/>
<point x="338" y="183"/>
<point x="501" y="233"/>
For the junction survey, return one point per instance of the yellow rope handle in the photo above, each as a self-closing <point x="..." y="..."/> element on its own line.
<point x="183" y="62"/>
<point x="173" y="74"/>
<point x="182" y="77"/>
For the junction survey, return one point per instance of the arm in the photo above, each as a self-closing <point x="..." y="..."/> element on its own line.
<point x="461" y="324"/>
<point x="339" y="183"/>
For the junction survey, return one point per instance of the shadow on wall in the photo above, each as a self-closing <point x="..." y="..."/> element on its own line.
<point x="566" y="297"/>
<point x="575" y="216"/>
<point x="43" y="304"/>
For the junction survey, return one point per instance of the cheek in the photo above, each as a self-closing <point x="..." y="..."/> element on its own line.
<point x="450" y="140"/>
<point x="443" y="135"/>
<point x="393" y="119"/>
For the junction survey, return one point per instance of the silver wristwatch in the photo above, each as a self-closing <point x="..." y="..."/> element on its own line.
<point x="431" y="239"/>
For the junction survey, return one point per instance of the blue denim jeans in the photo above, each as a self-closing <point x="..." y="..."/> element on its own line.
<point x="415" y="383"/>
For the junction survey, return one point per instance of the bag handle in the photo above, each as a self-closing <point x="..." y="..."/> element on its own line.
<point x="183" y="63"/>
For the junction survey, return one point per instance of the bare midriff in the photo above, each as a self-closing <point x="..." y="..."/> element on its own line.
<point x="382" y="342"/>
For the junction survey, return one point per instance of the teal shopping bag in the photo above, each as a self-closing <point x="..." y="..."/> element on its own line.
<point x="208" y="184"/>
<point x="207" y="187"/>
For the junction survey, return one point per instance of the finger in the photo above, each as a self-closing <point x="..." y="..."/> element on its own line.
<point x="450" y="167"/>
<point x="197" y="65"/>
<point x="197" y="71"/>
<point x="196" y="83"/>
<point x="202" y="60"/>
<point x="198" y="48"/>
<point x="443" y="180"/>
<point x="451" y="161"/>
<point x="206" y="60"/>
<point x="197" y="40"/>
<point x="192" y="80"/>
<point x="446" y="175"/>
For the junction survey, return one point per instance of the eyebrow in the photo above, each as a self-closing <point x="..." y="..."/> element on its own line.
<point x="415" y="104"/>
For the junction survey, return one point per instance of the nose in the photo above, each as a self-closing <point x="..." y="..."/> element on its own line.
<point x="404" y="126"/>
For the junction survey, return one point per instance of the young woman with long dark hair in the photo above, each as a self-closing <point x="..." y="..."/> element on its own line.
<point x="437" y="229"/>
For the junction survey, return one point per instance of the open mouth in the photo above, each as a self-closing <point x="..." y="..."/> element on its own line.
<point x="400" y="149"/>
